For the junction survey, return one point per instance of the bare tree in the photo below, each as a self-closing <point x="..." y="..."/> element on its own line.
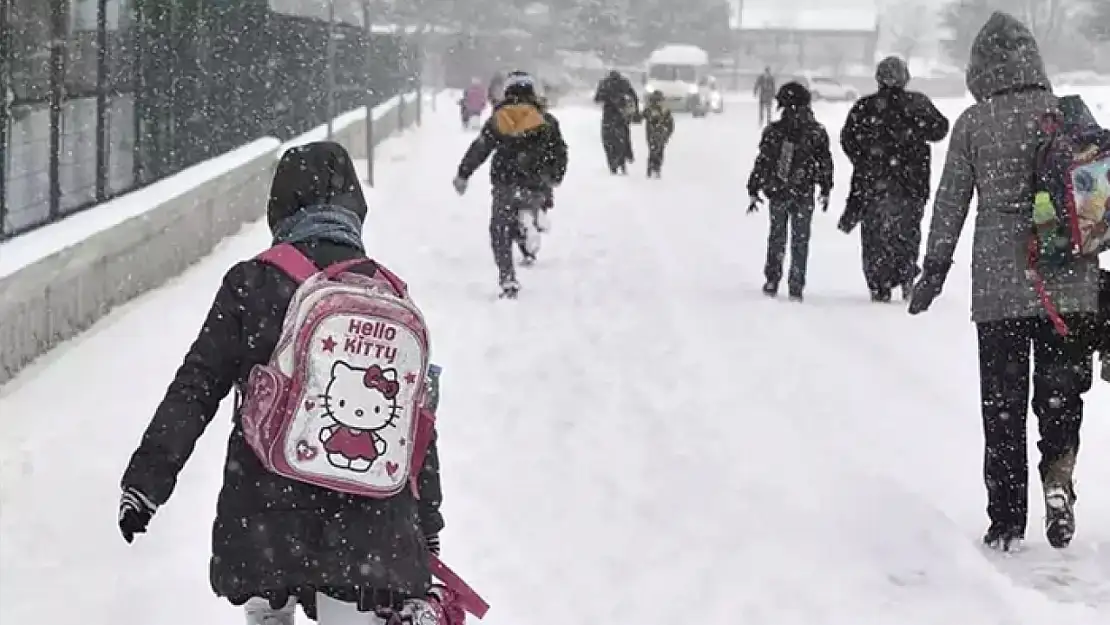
<point x="910" y="26"/>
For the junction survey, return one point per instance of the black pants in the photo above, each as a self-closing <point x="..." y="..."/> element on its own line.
<point x="616" y="139"/>
<point x="766" y="114"/>
<point x="511" y="205"/>
<point x="891" y="241"/>
<point x="655" y="156"/>
<point x="1062" y="372"/>
<point x="798" y="215"/>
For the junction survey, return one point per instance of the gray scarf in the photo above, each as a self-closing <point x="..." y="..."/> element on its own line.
<point x="327" y="223"/>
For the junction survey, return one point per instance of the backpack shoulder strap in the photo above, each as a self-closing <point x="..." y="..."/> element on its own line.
<point x="290" y="260"/>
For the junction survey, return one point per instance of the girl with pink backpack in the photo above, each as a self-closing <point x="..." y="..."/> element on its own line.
<point x="283" y="537"/>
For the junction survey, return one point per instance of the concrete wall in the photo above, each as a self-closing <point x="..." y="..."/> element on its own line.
<point x="56" y="296"/>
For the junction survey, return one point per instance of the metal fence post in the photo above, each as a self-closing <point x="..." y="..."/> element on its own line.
<point x="8" y="96"/>
<point x="331" y="69"/>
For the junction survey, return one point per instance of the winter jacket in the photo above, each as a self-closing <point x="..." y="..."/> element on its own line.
<point x="991" y="155"/>
<point x="658" y="124"/>
<point x="272" y="535"/>
<point x="765" y="88"/>
<point x="794" y="157"/>
<point x="886" y="137"/>
<point x="616" y="95"/>
<point x="527" y="147"/>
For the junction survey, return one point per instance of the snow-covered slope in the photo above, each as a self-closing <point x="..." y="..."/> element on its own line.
<point x="641" y="438"/>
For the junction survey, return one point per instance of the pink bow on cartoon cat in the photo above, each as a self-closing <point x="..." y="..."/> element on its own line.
<point x="375" y="379"/>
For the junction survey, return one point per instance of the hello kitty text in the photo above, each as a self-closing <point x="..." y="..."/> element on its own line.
<point x="368" y="339"/>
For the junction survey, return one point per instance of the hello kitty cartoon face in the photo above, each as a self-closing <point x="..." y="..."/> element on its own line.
<point x="362" y="399"/>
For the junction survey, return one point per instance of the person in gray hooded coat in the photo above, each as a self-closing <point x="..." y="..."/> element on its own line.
<point x="991" y="154"/>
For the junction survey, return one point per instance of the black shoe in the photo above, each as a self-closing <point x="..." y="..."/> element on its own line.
<point x="796" y="296"/>
<point x="1059" y="521"/>
<point x="770" y="289"/>
<point x="1002" y="538"/>
<point x="881" y="296"/>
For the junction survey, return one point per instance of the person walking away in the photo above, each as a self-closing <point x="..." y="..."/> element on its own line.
<point x="529" y="160"/>
<point x="992" y="155"/>
<point x="473" y="102"/>
<point x="658" y="128"/>
<point x="886" y="138"/>
<point x="794" y="157"/>
<point x="496" y="88"/>
<point x="277" y="541"/>
<point x="764" y="92"/>
<point x="619" y="107"/>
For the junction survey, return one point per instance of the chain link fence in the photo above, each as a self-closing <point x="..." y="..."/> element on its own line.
<point x="105" y="96"/>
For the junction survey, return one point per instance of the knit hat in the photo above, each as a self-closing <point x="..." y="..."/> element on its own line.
<point x="793" y="95"/>
<point x="520" y="85"/>
<point x="892" y="72"/>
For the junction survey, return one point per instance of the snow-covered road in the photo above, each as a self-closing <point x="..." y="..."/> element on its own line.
<point x="642" y="437"/>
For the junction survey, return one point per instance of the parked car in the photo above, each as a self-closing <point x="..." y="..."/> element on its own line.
<point x="825" y="88"/>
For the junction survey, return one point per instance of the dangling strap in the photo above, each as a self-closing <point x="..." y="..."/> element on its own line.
<point x="290" y="260"/>
<point x="425" y="430"/>
<point x="1042" y="291"/>
<point x="469" y="600"/>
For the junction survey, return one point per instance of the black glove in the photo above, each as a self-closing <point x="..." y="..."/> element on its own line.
<point x="755" y="201"/>
<point x="135" y="512"/>
<point x="432" y="543"/>
<point x="928" y="288"/>
<point x="824" y="201"/>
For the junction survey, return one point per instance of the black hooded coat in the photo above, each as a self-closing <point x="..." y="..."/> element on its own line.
<point x="274" y="537"/>
<point x="618" y="99"/>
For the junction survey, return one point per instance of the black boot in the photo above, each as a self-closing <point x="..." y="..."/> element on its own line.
<point x="1001" y="538"/>
<point x="770" y="289"/>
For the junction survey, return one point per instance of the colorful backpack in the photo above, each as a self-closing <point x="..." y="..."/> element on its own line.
<point x="1071" y="203"/>
<point x="341" y="403"/>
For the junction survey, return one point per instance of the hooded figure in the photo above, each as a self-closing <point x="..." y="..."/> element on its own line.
<point x="886" y="137"/>
<point x="274" y="538"/>
<point x="619" y="108"/>
<point x="529" y="160"/>
<point x="991" y="155"/>
<point x="794" y="160"/>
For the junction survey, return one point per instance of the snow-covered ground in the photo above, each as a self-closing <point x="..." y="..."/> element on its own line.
<point x="641" y="438"/>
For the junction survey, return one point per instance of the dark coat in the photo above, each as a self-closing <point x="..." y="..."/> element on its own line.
<point x="272" y="535"/>
<point x="765" y="88"/>
<point x="809" y="165"/>
<point x="886" y="137"/>
<point x="616" y="94"/>
<point x="658" y="124"/>
<point x="527" y="147"/>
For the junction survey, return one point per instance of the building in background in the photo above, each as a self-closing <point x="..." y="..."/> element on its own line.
<point x="104" y="96"/>
<point x="793" y="37"/>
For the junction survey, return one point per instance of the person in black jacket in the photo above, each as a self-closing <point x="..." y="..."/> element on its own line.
<point x="886" y="137"/>
<point x="529" y="160"/>
<point x="275" y="539"/>
<point x="794" y="157"/>
<point x="658" y="128"/>
<point x="620" y="106"/>
<point x="764" y="91"/>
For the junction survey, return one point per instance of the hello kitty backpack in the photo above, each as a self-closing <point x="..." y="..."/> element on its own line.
<point x="341" y="403"/>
